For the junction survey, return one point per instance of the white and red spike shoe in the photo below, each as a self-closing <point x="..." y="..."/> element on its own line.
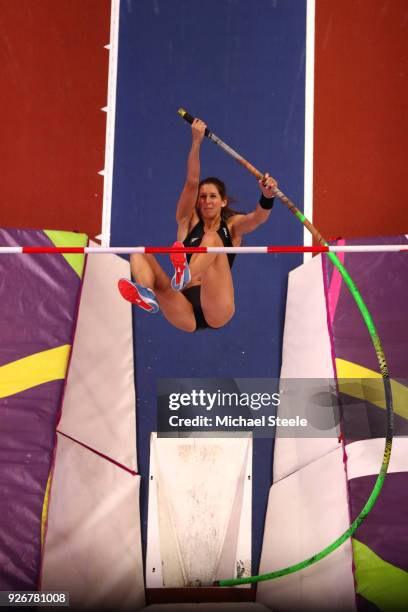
<point x="182" y="275"/>
<point x="139" y="295"/>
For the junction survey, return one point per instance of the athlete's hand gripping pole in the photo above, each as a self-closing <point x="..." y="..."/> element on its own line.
<point x="293" y="209"/>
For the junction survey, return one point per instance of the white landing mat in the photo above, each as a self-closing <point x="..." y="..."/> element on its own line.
<point x="199" y="526"/>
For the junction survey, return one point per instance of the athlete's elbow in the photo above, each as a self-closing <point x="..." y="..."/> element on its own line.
<point x="264" y="217"/>
<point x="260" y="222"/>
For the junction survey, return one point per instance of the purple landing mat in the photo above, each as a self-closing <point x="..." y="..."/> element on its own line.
<point x="27" y="439"/>
<point x="39" y="295"/>
<point x="382" y="280"/>
<point x="385" y="530"/>
<point x="363" y="605"/>
<point x="361" y="420"/>
<point x="39" y="300"/>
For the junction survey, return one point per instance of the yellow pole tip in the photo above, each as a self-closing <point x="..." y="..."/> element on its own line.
<point x="181" y="111"/>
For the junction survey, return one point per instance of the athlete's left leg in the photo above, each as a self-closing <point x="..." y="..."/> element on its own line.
<point x="217" y="289"/>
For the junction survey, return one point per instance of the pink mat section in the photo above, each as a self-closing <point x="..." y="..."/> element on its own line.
<point x="335" y="286"/>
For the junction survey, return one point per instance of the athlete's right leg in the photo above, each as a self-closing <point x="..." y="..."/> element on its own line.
<point x="175" y="307"/>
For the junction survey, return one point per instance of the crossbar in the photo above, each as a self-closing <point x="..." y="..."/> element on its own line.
<point x="362" y="248"/>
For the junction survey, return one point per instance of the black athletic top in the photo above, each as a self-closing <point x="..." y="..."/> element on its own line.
<point x="196" y="235"/>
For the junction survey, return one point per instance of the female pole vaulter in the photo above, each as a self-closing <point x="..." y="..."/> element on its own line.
<point x="201" y="292"/>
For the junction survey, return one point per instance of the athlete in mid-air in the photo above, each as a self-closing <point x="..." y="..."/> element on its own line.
<point x="201" y="293"/>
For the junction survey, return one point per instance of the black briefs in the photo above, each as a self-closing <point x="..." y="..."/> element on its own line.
<point x="193" y="295"/>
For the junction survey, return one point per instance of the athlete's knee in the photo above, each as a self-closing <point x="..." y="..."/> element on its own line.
<point x="135" y="259"/>
<point x="222" y="317"/>
<point x="186" y="326"/>
<point x="211" y="238"/>
<point x="162" y="284"/>
<point x="190" y="328"/>
<point x="138" y="258"/>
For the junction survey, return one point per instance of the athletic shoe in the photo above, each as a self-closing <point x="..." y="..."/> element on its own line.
<point x="182" y="275"/>
<point x="139" y="295"/>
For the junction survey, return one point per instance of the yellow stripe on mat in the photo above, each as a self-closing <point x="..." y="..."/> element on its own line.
<point x="366" y="384"/>
<point x="34" y="370"/>
<point x="44" y="513"/>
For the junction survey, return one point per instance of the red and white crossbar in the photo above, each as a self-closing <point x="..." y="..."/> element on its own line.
<point x="364" y="248"/>
<point x="372" y="248"/>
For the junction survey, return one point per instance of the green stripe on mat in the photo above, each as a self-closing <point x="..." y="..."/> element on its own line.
<point x="382" y="583"/>
<point x="67" y="239"/>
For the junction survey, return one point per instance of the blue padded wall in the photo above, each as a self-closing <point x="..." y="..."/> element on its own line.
<point x="241" y="67"/>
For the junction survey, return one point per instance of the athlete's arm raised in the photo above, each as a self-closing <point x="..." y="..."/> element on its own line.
<point x="245" y="224"/>
<point x="188" y="197"/>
